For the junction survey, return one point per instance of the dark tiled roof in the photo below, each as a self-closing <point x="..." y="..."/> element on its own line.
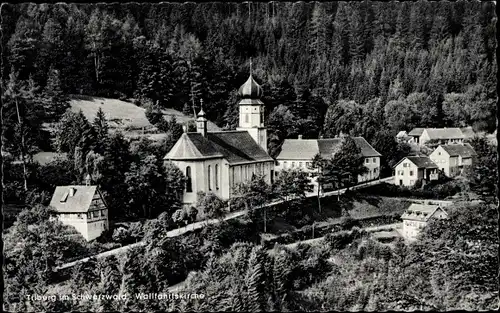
<point x="79" y="202"/>
<point x="416" y="131"/>
<point x="465" y="150"/>
<point x="192" y="146"/>
<point x="444" y="133"/>
<point x="238" y="146"/>
<point x="422" y="162"/>
<point x="234" y="146"/>
<point x="300" y="149"/>
<point x="250" y="89"/>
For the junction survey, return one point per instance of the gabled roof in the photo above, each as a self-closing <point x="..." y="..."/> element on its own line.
<point x="444" y="133"/>
<point x="80" y="202"/>
<point x="465" y="150"/>
<point x="300" y="149"/>
<point x="234" y="146"/>
<point x="238" y="146"/>
<point x="419" y="161"/>
<point x="402" y="133"/>
<point x="416" y="131"/>
<point x="193" y="146"/>
<point x="421" y="212"/>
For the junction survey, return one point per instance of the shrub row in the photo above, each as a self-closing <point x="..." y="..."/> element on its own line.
<point x="430" y="191"/>
<point x="345" y="224"/>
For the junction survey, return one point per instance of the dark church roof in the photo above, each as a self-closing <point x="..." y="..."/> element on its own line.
<point x="234" y="146"/>
<point x="250" y="89"/>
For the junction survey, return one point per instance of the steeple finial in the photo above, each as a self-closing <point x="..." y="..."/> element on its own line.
<point x="202" y="113"/>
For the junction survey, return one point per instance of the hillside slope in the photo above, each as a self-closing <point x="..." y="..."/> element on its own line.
<point x="126" y="116"/>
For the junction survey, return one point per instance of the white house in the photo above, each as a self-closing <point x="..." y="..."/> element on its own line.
<point x="441" y="135"/>
<point x="417" y="216"/>
<point x="298" y="154"/>
<point x="83" y="207"/>
<point x="217" y="161"/>
<point x="412" y="168"/>
<point x="452" y="159"/>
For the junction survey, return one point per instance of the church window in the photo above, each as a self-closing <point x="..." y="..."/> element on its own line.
<point x="209" y="178"/>
<point x="189" y="184"/>
<point x="246" y="118"/>
<point x="217" y="176"/>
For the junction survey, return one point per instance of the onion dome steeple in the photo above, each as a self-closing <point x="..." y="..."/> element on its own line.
<point x="250" y="89"/>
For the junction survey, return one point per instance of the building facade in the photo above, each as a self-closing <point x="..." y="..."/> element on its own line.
<point x="452" y="159"/>
<point x="412" y="168"/>
<point x="83" y="207"/>
<point x="444" y="136"/>
<point x="218" y="161"/>
<point x="298" y="154"/>
<point x="416" y="217"/>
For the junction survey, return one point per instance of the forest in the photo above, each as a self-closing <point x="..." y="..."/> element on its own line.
<point x="364" y="68"/>
<point x="326" y="68"/>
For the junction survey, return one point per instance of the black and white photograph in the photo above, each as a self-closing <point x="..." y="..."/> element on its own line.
<point x="249" y="156"/>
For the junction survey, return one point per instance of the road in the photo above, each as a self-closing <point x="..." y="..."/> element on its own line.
<point x="201" y="224"/>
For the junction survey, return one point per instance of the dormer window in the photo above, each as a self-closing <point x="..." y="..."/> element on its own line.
<point x="64" y="197"/>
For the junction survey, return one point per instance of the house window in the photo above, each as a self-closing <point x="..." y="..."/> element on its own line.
<point x="246" y="118"/>
<point x="89" y="216"/>
<point x="411" y="173"/>
<point x="400" y="172"/>
<point x="217" y="176"/>
<point x="300" y="164"/>
<point x="285" y="164"/>
<point x="103" y="213"/>
<point x="95" y="214"/>
<point x="308" y="164"/>
<point x="367" y="160"/>
<point x="189" y="183"/>
<point x="439" y="153"/>
<point x="277" y="163"/>
<point x="373" y="160"/>
<point x="209" y="178"/>
<point x="293" y="164"/>
<point x="375" y="170"/>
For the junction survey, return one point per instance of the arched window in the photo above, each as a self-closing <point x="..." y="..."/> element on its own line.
<point x="189" y="185"/>
<point x="209" y="178"/>
<point x="217" y="176"/>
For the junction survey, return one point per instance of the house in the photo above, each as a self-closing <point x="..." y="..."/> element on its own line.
<point x="452" y="159"/>
<point x="417" y="216"/>
<point x="83" y="207"/>
<point x="217" y="161"/>
<point x="298" y="153"/>
<point x="442" y="136"/>
<point x="415" y="134"/>
<point x="412" y="168"/>
<point x="403" y="136"/>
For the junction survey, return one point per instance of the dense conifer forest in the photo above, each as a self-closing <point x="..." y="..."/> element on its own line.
<point x="326" y="68"/>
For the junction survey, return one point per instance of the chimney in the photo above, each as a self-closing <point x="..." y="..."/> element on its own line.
<point x="71" y="191"/>
<point x="300" y="136"/>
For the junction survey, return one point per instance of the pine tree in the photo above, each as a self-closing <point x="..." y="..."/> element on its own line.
<point x="101" y="127"/>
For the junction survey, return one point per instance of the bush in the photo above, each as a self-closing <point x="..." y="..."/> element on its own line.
<point x="341" y="239"/>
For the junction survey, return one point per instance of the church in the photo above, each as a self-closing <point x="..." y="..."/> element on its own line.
<point x="218" y="161"/>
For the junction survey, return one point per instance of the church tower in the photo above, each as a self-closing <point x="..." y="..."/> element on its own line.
<point x="251" y="116"/>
